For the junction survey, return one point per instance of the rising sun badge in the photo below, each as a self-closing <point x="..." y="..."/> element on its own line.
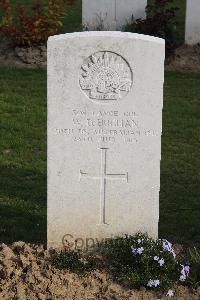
<point x="106" y="76"/>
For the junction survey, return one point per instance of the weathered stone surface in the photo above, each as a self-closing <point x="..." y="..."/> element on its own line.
<point x="192" y="27"/>
<point x="105" y="97"/>
<point x="111" y="14"/>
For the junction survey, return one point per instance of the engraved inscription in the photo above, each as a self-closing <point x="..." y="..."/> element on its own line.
<point x="103" y="177"/>
<point x="105" y="126"/>
<point x="106" y="76"/>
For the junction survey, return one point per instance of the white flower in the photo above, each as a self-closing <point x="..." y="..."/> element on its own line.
<point x="184" y="272"/>
<point x="140" y="250"/>
<point x="170" y="293"/>
<point x="187" y="270"/>
<point x="173" y="252"/>
<point x="140" y="241"/>
<point x="156" y="258"/>
<point x="167" y="246"/>
<point x="152" y="283"/>
<point x="182" y="278"/>
<point x="134" y="250"/>
<point x="156" y="282"/>
<point x="161" y="262"/>
<point x="137" y="250"/>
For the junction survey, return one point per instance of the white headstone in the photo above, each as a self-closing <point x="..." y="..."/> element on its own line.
<point x="111" y="14"/>
<point x="192" y="28"/>
<point x="105" y="98"/>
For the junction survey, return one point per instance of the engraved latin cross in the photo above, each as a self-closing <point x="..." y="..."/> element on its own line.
<point x="103" y="177"/>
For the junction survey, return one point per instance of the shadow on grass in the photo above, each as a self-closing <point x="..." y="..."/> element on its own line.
<point x="27" y="185"/>
<point x="22" y="205"/>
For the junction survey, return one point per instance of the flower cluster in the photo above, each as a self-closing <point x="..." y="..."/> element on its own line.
<point x="184" y="272"/>
<point x="153" y="283"/>
<point x="143" y="261"/>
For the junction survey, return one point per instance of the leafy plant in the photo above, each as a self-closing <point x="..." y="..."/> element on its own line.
<point x="75" y="261"/>
<point x="194" y="277"/>
<point x="135" y="261"/>
<point x="160" y="22"/>
<point x="25" y="28"/>
<point x="70" y="260"/>
<point x="141" y="261"/>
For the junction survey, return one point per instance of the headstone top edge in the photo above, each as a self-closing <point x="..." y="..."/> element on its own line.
<point x="117" y="34"/>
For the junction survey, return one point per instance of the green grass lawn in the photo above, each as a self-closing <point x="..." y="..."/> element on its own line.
<point x="180" y="180"/>
<point x="23" y="156"/>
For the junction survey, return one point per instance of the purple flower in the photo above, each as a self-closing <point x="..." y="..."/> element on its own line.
<point x="170" y="293"/>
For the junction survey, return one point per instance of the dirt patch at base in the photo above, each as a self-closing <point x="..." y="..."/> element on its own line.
<point x="26" y="273"/>
<point x="32" y="57"/>
<point x="186" y="58"/>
